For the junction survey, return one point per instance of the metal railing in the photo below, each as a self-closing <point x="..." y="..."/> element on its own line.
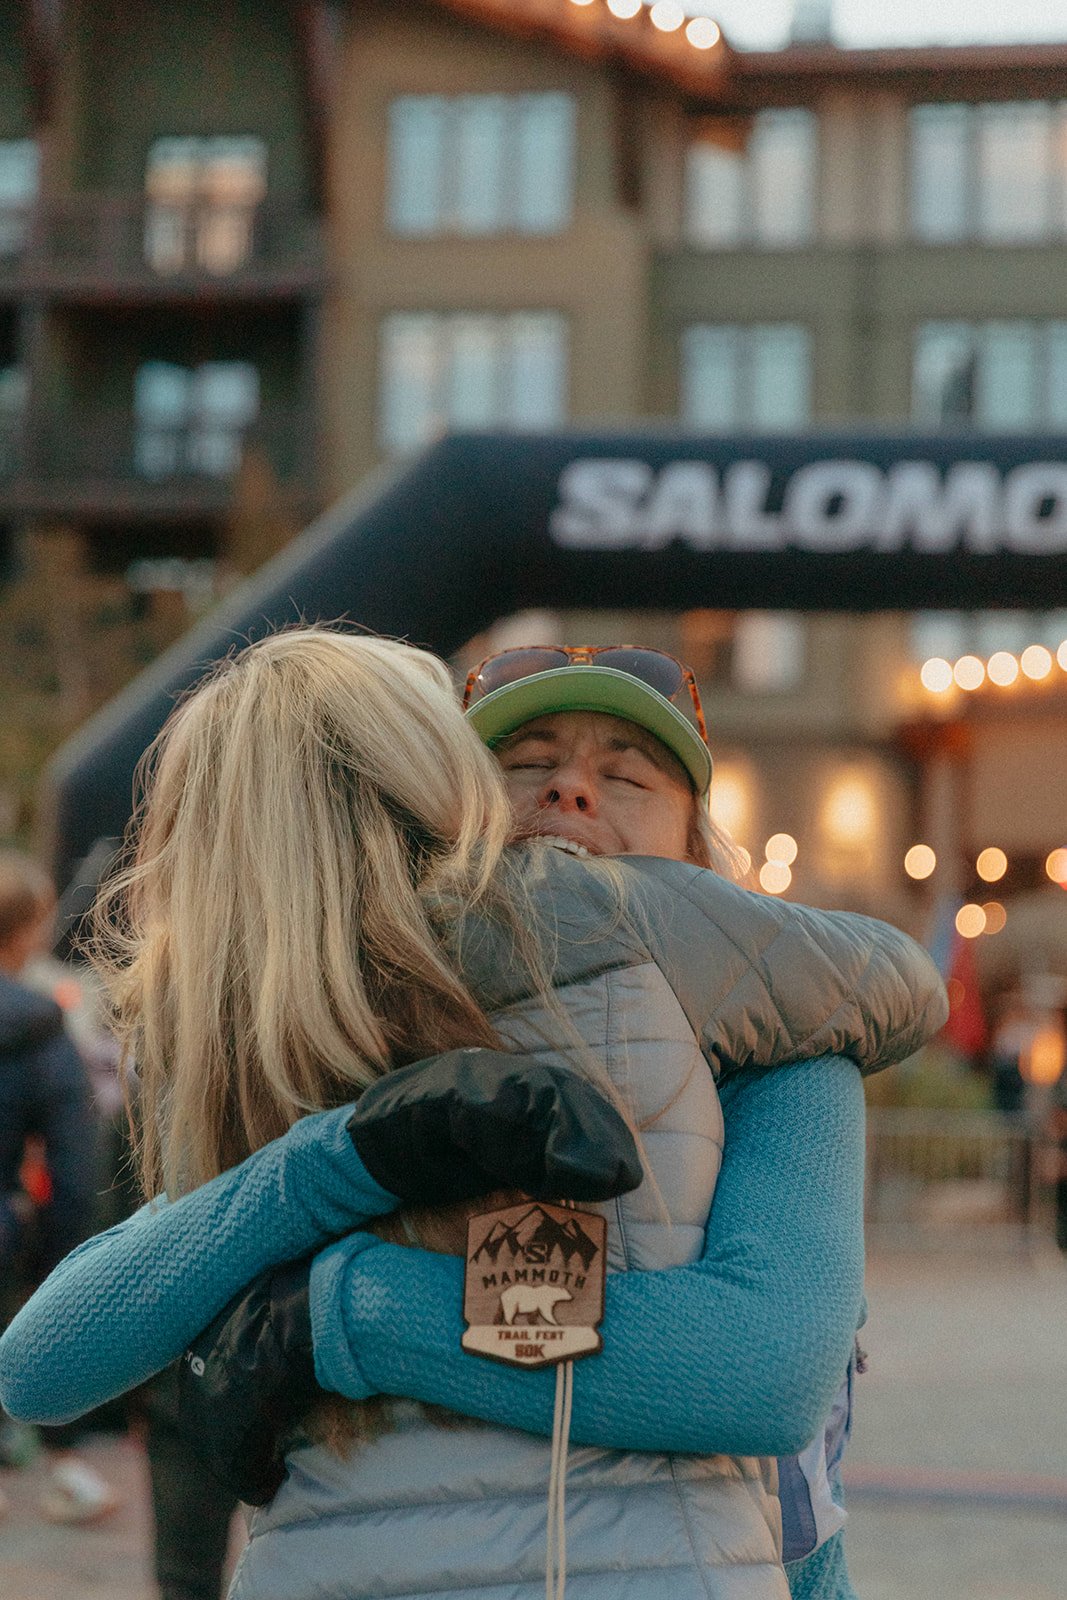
<point x="111" y="241"/>
<point x="944" y="1176"/>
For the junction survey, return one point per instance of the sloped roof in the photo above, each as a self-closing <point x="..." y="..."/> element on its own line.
<point x="741" y="79"/>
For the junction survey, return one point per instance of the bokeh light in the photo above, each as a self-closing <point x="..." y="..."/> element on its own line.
<point x="992" y="864"/>
<point x="969" y="672"/>
<point x="775" y="877"/>
<point x="625" y="9"/>
<point x="703" y="33"/>
<point x="1036" y="661"/>
<point x="1056" y="867"/>
<point x="920" y="861"/>
<point x="1002" y="668"/>
<point x="782" y="848"/>
<point x="995" y="916"/>
<point x="936" y="675"/>
<point x="667" y="15"/>
<point x="1061" y="655"/>
<point x="970" y="921"/>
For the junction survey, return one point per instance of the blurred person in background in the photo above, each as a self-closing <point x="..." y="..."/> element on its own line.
<point x="47" y="1161"/>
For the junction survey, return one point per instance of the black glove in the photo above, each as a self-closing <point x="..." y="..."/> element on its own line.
<point x="246" y="1381"/>
<point x="471" y="1121"/>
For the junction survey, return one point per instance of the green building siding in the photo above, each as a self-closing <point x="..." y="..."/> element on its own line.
<point x="192" y="67"/>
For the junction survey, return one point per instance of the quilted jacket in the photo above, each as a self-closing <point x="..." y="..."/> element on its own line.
<point x="686" y="972"/>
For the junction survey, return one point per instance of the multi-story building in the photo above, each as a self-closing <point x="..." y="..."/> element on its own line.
<point x="538" y="213"/>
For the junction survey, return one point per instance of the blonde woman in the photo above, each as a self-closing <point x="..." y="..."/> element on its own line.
<point x="321" y="895"/>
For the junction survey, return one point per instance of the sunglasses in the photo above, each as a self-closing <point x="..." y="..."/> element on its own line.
<point x="655" y="668"/>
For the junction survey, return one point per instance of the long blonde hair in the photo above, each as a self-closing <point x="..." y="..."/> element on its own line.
<point x="317" y="816"/>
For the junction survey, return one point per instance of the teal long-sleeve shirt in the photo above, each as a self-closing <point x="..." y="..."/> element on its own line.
<point x="740" y="1352"/>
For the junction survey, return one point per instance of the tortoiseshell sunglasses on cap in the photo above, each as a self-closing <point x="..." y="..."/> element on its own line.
<point x="654" y="668"/>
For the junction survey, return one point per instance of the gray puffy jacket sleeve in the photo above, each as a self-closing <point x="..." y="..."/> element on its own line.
<point x="765" y="981"/>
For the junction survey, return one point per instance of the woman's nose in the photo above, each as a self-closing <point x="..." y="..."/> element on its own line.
<point x="570" y="791"/>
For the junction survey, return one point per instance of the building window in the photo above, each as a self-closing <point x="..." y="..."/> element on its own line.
<point x="995" y="172"/>
<point x="19" y="179"/>
<point x="754" y="185"/>
<point x="746" y="377"/>
<point x="201" y="199"/>
<point x="991" y="374"/>
<point x="481" y="164"/>
<point x="470" y="371"/>
<point x="192" y="421"/>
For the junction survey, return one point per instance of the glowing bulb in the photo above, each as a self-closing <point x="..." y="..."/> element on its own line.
<point x="936" y="675"/>
<point x="781" y="848"/>
<point x="1002" y="668"/>
<point x="970" y="921"/>
<point x="969" y="672"/>
<point x="995" y="916"/>
<point x="920" y="861"/>
<point x="775" y="877"/>
<point x="992" y="864"/>
<point x="667" y="15"/>
<point x="703" y="33"/>
<point x="1056" y="867"/>
<point x="624" y="9"/>
<point x="1036" y="661"/>
<point x="1043" y="1062"/>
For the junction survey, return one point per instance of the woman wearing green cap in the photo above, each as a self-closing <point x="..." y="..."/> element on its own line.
<point x="320" y="894"/>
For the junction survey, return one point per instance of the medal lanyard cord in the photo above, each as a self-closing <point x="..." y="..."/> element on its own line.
<point x="556" y="1559"/>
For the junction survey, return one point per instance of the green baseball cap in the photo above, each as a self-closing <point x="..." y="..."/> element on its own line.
<point x="592" y="688"/>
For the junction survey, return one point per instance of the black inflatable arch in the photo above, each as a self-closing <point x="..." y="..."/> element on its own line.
<point x="486" y="524"/>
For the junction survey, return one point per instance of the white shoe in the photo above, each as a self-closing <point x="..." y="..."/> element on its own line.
<point x="77" y="1493"/>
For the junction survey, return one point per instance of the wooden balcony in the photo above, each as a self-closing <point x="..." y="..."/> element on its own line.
<point x="100" y="249"/>
<point x="110" y="467"/>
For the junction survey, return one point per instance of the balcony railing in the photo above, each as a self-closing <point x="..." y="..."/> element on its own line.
<point x="110" y="463"/>
<point x="106" y="246"/>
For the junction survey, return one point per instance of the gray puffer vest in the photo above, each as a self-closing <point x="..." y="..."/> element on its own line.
<point x="692" y="973"/>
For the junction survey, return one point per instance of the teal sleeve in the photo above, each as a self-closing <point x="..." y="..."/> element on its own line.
<point x="741" y="1352"/>
<point x="126" y="1303"/>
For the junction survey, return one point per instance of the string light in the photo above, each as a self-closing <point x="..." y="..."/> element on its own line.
<point x="992" y="864"/>
<point x="1036" y="661"/>
<point x="920" y="861"/>
<point x="667" y="15"/>
<point x="1056" y="867"/>
<point x="781" y="848"/>
<point x="775" y="877"/>
<point x="969" y="673"/>
<point x="936" y="675"/>
<point x="1003" y="668"/>
<point x="703" y="34"/>
<point x="970" y="921"/>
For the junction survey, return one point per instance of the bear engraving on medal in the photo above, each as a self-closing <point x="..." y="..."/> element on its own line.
<point x="534" y="1289"/>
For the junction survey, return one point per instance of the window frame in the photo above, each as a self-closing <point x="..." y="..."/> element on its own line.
<point x="517" y="190"/>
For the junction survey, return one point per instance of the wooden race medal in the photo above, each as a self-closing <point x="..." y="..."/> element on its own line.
<point x="534" y="1290"/>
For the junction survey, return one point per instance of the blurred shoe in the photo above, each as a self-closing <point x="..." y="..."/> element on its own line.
<point x="77" y="1493"/>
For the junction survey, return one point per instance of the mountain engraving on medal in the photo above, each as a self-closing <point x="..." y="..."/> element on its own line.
<point x="534" y="1290"/>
